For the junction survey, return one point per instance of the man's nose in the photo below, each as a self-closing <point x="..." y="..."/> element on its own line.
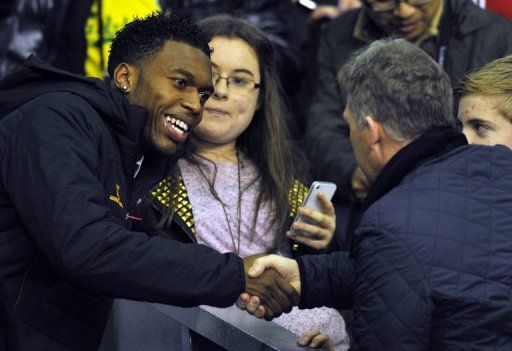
<point x="192" y="102"/>
<point x="404" y="9"/>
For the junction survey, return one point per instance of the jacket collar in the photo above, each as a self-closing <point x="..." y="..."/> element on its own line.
<point x="432" y="144"/>
<point x="467" y="17"/>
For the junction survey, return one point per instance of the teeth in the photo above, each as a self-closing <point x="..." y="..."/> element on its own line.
<point x="177" y="123"/>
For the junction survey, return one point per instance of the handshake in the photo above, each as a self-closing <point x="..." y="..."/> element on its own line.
<point x="272" y="286"/>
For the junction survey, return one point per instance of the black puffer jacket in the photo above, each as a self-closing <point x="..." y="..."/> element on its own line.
<point x="67" y="147"/>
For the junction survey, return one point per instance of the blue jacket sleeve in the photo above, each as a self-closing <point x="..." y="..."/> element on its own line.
<point x="326" y="280"/>
<point x="391" y="297"/>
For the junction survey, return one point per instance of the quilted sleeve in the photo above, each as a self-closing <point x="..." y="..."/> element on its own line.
<point x="392" y="310"/>
<point x="326" y="280"/>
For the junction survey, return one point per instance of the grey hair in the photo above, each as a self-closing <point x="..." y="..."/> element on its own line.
<point x="399" y="85"/>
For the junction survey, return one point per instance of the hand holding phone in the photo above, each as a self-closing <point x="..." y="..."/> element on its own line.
<point x="314" y="225"/>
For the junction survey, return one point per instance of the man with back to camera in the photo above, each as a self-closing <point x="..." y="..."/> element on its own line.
<point x="456" y="33"/>
<point x="68" y="152"/>
<point x="431" y="262"/>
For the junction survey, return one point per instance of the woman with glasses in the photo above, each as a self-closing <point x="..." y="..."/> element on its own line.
<point x="238" y="185"/>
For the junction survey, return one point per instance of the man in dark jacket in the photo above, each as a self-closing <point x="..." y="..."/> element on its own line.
<point x="456" y="33"/>
<point x="68" y="152"/>
<point x="431" y="262"/>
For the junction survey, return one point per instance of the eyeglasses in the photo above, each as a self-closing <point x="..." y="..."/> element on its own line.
<point x="237" y="85"/>
<point x="390" y="5"/>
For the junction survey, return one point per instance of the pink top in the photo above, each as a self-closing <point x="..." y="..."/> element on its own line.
<point x="212" y="230"/>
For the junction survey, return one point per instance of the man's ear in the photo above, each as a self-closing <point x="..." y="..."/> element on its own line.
<point x="125" y="77"/>
<point x="374" y="131"/>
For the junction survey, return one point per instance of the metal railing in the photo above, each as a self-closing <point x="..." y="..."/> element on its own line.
<point x="148" y="326"/>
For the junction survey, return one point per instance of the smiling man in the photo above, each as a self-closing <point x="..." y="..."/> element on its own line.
<point x="68" y="152"/>
<point x="456" y="33"/>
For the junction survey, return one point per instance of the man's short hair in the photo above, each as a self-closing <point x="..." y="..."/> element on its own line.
<point x="399" y="85"/>
<point x="493" y="80"/>
<point x="145" y="37"/>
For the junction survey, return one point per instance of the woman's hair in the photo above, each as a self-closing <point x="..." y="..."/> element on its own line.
<point x="266" y="141"/>
<point x="494" y="80"/>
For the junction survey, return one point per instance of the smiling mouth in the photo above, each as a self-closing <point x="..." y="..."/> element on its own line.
<point x="176" y="128"/>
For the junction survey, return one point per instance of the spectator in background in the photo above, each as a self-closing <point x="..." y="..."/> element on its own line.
<point x="485" y="105"/>
<point x="314" y="16"/>
<point x="456" y="33"/>
<point x="240" y="182"/>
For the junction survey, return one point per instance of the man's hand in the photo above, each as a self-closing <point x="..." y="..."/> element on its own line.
<point x="252" y="304"/>
<point x="317" y="235"/>
<point x="275" y="293"/>
<point x="359" y="184"/>
<point x="316" y="340"/>
<point x="289" y="277"/>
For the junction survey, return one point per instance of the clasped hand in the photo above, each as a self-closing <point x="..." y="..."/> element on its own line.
<point x="272" y="286"/>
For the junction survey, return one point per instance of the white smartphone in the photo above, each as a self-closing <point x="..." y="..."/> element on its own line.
<point x="312" y="202"/>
